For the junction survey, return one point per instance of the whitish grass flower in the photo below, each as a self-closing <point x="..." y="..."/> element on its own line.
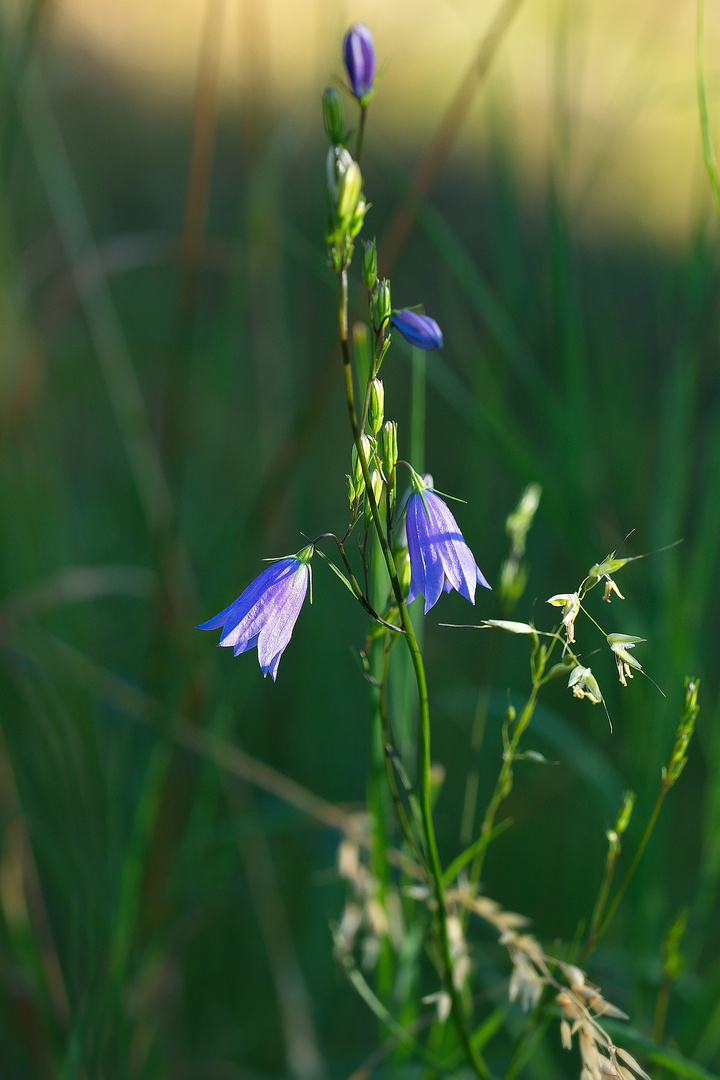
<point x="584" y="684"/>
<point x="264" y="616"/>
<point x="570" y="603"/>
<point x="620" y="645"/>
<point x="439" y="557"/>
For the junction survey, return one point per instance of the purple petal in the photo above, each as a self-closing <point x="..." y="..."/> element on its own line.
<point x="482" y="579"/>
<point x="236" y="611"/>
<point x="420" y="330"/>
<point x="426" y="568"/>
<point x="417" y="567"/>
<point x="439" y="557"/>
<point x="250" y="622"/>
<point x="359" y="57"/>
<point x="277" y="631"/>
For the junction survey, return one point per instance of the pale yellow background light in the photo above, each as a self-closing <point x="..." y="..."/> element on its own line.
<point x="604" y="88"/>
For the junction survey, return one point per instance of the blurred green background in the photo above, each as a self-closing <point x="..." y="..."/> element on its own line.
<point x="171" y="413"/>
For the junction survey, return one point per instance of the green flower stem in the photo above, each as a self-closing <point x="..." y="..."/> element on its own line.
<point x="361" y="132"/>
<point x="392" y="784"/>
<point x="594" y="936"/>
<point x="356" y="587"/>
<point x="435" y="867"/>
<point x="602" y="899"/>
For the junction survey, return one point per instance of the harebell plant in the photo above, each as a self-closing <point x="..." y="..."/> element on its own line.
<point x="405" y="937"/>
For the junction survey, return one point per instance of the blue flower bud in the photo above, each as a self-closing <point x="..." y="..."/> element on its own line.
<point x="359" y="57"/>
<point x="420" y="330"/>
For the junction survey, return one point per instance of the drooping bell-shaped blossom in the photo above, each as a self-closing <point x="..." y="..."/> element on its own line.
<point x="420" y="330"/>
<point x="439" y="557"/>
<point x="264" y="615"/>
<point x="359" y="57"/>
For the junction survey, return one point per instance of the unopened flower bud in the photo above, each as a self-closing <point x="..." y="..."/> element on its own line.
<point x="349" y="192"/>
<point x="333" y="115"/>
<point x="376" y="482"/>
<point x="350" y="489"/>
<point x="624" y="813"/>
<point x="360" y="63"/>
<point x="383" y="306"/>
<point x="369" y="269"/>
<point x="389" y="446"/>
<point x="356" y="222"/>
<point x="338" y="160"/>
<point x="419" y="330"/>
<point x="376" y="411"/>
<point x="357" y="473"/>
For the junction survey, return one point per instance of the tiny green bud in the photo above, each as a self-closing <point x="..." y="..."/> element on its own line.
<point x="376" y="411"/>
<point x="383" y="306"/>
<point x="389" y="446"/>
<point x="625" y="812"/>
<point x="509" y="717"/>
<point x="350" y="489"/>
<point x="357" y="473"/>
<point x="376" y="482"/>
<point x="369" y="269"/>
<point x="338" y="161"/>
<point x="333" y="115"/>
<point x="349" y="192"/>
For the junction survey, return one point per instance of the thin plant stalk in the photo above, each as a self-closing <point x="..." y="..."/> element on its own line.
<point x="436" y="877"/>
<point x="595" y="935"/>
<point x="503" y="783"/>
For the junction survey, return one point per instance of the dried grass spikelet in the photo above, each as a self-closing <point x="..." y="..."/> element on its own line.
<point x="581" y="1001"/>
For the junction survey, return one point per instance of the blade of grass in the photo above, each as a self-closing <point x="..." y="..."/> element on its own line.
<point x="103" y="322"/>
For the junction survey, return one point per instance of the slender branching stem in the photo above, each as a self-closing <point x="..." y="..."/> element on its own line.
<point x="435" y="867"/>
<point x="503" y="783"/>
<point x="355" y="584"/>
<point x="599" y="909"/>
<point x="387" y="747"/>
<point x="594" y="937"/>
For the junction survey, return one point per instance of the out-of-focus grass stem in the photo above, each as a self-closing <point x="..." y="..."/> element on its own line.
<point x="192" y="238"/>
<point x="707" y="142"/>
<point x="304" y="1060"/>
<point x="103" y="323"/>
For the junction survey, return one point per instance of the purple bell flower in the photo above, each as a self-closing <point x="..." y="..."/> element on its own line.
<point x="359" y="57"/>
<point x="439" y="557"/>
<point x="420" y="330"/>
<point x="266" y="613"/>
